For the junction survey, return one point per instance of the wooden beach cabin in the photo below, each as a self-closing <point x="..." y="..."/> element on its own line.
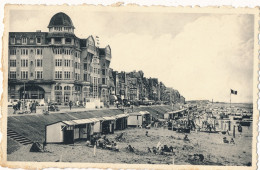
<point x="69" y="131"/>
<point x="137" y="119"/>
<point x="121" y="121"/>
<point x="174" y="114"/>
<point x="108" y="125"/>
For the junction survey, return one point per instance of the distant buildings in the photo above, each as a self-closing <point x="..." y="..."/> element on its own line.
<point x="58" y="66"/>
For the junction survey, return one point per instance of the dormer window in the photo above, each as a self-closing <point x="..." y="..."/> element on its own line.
<point x="57" y="40"/>
<point x="68" y="41"/>
<point x="24" y="40"/>
<point x="12" y="40"/>
<point x="38" y="40"/>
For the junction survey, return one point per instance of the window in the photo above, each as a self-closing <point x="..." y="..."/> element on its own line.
<point x="24" y="63"/>
<point x="38" y="62"/>
<point x="85" y="77"/>
<point x="77" y="54"/>
<point x="57" y="40"/>
<point x="66" y="75"/>
<point x="12" y="63"/>
<point x="38" y="40"/>
<point x="24" y="51"/>
<point x="58" y="28"/>
<point x="104" y="81"/>
<point x="67" y="88"/>
<point x="13" y="52"/>
<point x="67" y="63"/>
<point x="12" y="39"/>
<point x="103" y="71"/>
<point x="58" y="51"/>
<point x="76" y="76"/>
<point x="58" y="74"/>
<point x="38" y="74"/>
<point x="58" y="62"/>
<point x="57" y="88"/>
<point x="24" y="74"/>
<point x="31" y="74"/>
<point x="38" y="51"/>
<point x="24" y="40"/>
<point x="68" y="41"/>
<point x="12" y="74"/>
<point x="85" y="66"/>
<point x="67" y="52"/>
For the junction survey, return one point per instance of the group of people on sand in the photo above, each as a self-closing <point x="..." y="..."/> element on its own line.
<point x="160" y="150"/>
<point x="28" y="106"/>
<point x="103" y="143"/>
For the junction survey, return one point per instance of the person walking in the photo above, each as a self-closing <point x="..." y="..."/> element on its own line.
<point x="19" y="105"/>
<point x="70" y="104"/>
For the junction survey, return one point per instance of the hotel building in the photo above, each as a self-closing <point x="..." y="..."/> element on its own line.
<point x="56" y="65"/>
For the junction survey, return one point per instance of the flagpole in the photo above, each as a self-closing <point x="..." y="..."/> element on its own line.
<point x="230" y="100"/>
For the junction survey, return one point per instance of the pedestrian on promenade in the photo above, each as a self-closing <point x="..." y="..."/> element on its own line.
<point x="19" y="105"/>
<point x="34" y="107"/>
<point x="70" y="104"/>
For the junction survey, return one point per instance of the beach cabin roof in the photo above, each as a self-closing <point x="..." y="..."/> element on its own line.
<point x="83" y="121"/>
<point x="134" y="114"/>
<point x="144" y="112"/>
<point x="175" y="112"/>
<point x="69" y="122"/>
<point x="109" y="118"/>
<point x="96" y="119"/>
<point x="121" y="115"/>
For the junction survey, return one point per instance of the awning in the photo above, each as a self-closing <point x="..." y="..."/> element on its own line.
<point x="109" y="118"/>
<point x="113" y="97"/>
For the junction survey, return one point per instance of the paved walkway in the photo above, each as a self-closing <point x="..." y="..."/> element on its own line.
<point x="63" y="109"/>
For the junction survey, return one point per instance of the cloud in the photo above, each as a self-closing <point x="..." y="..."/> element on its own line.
<point x="210" y="56"/>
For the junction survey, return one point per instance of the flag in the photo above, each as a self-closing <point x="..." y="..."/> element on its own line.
<point x="233" y="92"/>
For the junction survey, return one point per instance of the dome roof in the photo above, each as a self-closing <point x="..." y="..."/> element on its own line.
<point x="60" y="19"/>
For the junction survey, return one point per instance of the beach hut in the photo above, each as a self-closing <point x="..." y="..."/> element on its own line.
<point x="174" y="114"/>
<point x="121" y="121"/>
<point x="108" y="125"/>
<point x="139" y="118"/>
<point x="69" y="131"/>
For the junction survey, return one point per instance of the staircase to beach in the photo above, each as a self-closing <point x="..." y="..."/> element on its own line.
<point x="17" y="137"/>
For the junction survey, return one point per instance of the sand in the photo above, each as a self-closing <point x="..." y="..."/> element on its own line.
<point x="210" y="145"/>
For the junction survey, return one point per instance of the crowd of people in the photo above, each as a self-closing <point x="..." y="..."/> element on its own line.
<point x="25" y="106"/>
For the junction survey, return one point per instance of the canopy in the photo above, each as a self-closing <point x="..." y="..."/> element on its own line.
<point x="113" y="97"/>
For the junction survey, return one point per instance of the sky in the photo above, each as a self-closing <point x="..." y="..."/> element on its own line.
<point x="203" y="56"/>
